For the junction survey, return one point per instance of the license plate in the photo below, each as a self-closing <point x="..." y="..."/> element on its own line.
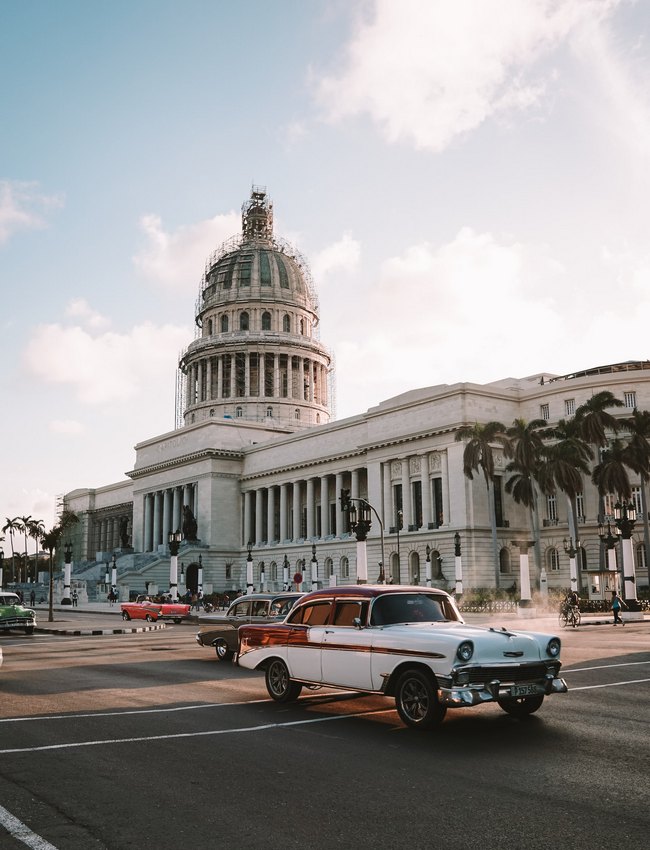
<point x="524" y="690"/>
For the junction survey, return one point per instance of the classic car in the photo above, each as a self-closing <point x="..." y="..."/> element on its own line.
<point x="220" y="630"/>
<point x="13" y="615"/>
<point x="146" y="609"/>
<point x="410" y="643"/>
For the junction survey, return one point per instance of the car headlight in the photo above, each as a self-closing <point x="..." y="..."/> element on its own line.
<point x="465" y="650"/>
<point x="553" y="647"/>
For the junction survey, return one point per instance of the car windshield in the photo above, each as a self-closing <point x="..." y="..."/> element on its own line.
<point x="281" y="607"/>
<point x="411" y="608"/>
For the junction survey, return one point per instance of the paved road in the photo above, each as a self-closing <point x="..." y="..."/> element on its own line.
<point x="115" y="742"/>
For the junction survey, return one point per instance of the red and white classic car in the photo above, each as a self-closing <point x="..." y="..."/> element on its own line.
<point x="146" y="609"/>
<point x="410" y="643"/>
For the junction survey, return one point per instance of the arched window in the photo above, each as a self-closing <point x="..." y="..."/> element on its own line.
<point x="239" y="412"/>
<point x="212" y="411"/>
<point x="318" y="418"/>
<point x="329" y="567"/>
<point x="302" y="327"/>
<point x="274" y="571"/>
<point x="582" y="558"/>
<point x="210" y="327"/>
<point x="395" y="568"/>
<point x="266" y="321"/>
<point x="414" y="568"/>
<point x="345" y="568"/>
<point x="269" y="411"/>
<point x="224" y="324"/>
<point x="296" y="413"/>
<point x="504" y="561"/>
<point x="286" y="323"/>
<point x="244" y="322"/>
<point x="552" y="559"/>
<point x="640" y="557"/>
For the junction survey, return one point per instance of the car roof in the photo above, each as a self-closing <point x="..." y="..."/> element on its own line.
<point x="281" y="594"/>
<point x="369" y="591"/>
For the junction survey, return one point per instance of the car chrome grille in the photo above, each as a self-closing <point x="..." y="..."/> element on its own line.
<point x="505" y="673"/>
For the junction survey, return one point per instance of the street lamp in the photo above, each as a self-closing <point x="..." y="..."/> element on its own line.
<point x="199" y="580"/>
<point x="67" y="572"/>
<point x="399" y="525"/>
<point x="458" y="566"/>
<point x="285" y="573"/>
<point x="610" y="540"/>
<point x="249" y="568"/>
<point x="572" y="551"/>
<point x="2" y="562"/>
<point x="427" y="567"/>
<point x="174" y="542"/>
<point x="314" y="568"/>
<point x="360" y="525"/>
<point x="625" y="518"/>
<point x="347" y="506"/>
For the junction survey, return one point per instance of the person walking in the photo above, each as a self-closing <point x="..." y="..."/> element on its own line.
<point x="617" y="604"/>
<point x="75" y="598"/>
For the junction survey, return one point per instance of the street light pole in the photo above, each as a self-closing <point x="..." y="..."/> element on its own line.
<point x="625" y="518"/>
<point x="361" y="526"/>
<point x="572" y="551"/>
<point x="427" y="568"/>
<point x="610" y="540"/>
<point x="67" y="572"/>
<point x="249" y="568"/>
<point x="285" y="573"/>
<point x="174" y="541"/>
<point x="2" y="563"/>
<point x="199" y="580"/>
<point x="458" y="566"/>
<point x="346" y="505"/>
<point x="314" y="568"/>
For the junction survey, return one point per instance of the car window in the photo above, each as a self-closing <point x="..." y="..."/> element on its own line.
<point x="406" y="608"/>
<point x="260" y="608"/>
<point x="312" y="614"/>
<point x="281" y="607"/>
<point x="241" y="609"/>
<point x="345" y="612"/>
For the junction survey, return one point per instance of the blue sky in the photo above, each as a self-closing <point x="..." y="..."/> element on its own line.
<point x="468" y="180"/>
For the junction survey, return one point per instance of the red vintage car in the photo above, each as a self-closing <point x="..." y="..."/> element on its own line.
<point x="145" y="608"/>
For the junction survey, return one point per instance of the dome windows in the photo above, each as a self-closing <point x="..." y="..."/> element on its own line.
<point x="266" y="321"/>
<point x="224" y="324"/>
<point x="244" y="322"/>
<point x="286" y="323"/>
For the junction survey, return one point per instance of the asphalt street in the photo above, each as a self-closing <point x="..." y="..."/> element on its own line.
<point x="120" y="741"/>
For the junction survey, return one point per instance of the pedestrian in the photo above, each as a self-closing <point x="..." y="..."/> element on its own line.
<point x="32" y="598"/>
<point x="617" y="604"/>
<point x="75" y="598"/>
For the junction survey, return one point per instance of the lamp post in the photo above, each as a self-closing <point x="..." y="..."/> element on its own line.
<point x="199" y="589"/>
<point x="610" y="540"/>
<point x="525" y="607"/>
<point x="2" y="563"/>
<point x="314" y="568"/>
<point x="347" y="506"/>
<point x="399" y="525"/>
<point x="572" y="551"/>
<point x="262" y="577"/>
<point x="174" y="542"/>
<point x="458" y="566"/>
<point x="427" y="567"/>
<point x="360" y="525"/>
<point x="249" y="568"/>
<point x="285" y="573"/>
<point x="67" y="572"/>
<point x="625" y="518"/>
<point x="181" y="580"/>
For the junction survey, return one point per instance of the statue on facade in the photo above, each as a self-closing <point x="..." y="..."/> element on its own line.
<point x="189" y="524"/>
<point x="124" y="533"/>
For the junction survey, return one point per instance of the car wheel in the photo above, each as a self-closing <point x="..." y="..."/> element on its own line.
<point x="279" y="684"/>
<point x="125" y="615"/>
<point x="177" y="620"/>
<point x="521" y="706"/>
<point x="149" y="618"/>
<point x="221" y="648"/>
<point x="29" y="630"/>
<point x="417" y="700"/>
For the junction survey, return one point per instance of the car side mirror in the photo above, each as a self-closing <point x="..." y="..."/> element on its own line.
<point x="357" y="623"/>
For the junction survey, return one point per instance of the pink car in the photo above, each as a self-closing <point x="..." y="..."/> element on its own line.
<point x="144" y="609"/>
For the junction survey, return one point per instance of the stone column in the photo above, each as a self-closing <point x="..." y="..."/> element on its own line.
<point x="259" y="516"/>
<point x="406" y="494"/>
<point x="177" y="510"/>
<point x="148" y="525"/>
<point x="233" y="375"/>
<point x="388" y="515"/>
<point x="284" y="530"/>
<point x="248" y="525"/>
<point x="427" y="506"/>
<point x="296" y="510"/>
<point x="156" y="520"/>
<point x="270" y="515"/>
<point x="208" y="379"/>
<point x="340" y="517"/>
<point x="220" y="376"/>
<point x="166" y="523"/>
<point x="199" y="381"/>
<point x="311" y="503"/>
<point x="324" y="507"/>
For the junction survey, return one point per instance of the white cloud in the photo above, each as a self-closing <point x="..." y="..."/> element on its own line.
<point x="109" y="367"/>
<point x="174" y="259"/>
<point x="428" y="71"/>
<point x="340" y="256"/>
<point x="22" y="207"/>
<point x="80" y="309"/>
<point x="66" y="426"/>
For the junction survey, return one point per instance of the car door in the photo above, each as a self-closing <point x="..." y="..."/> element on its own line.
<point x="305" y="639"/>
<point x="346" y="648"/>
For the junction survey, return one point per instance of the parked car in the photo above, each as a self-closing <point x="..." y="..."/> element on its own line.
<point x="410" y="643"/>
<point x="220" y="630"/>
<point x="13" y="614"/>
<point x="145" y="609"/>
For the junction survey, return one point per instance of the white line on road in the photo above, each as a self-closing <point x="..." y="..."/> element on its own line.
<point x="22" y="832"/>
<point x="260" y="728"/>
<point x="609" y="685"/>
<point x="602" y="667"/>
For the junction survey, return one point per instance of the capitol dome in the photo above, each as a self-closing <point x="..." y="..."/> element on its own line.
<point x="257" y="355"/>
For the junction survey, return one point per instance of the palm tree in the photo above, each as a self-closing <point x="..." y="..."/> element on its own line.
<point x="593" y="421"/>
<point x="527" y="448"/>
<point x="564" y="463"/>
<point x="24" y="527"/>
<point x="478" y="454"/>
<point x="12" y="525"/>
<point x="639" y="461"/>
<point x="51" y="540"/>
<point x="611" y="474"/>
<point x="36" y="531"/>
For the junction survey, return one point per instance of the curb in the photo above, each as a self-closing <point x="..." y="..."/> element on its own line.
<point x="123" y="631"/>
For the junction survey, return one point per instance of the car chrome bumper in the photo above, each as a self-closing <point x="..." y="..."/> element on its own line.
<point x="468" y="695"/>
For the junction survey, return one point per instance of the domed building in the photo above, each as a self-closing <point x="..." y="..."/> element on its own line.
<point x="257" y="357"/>
<point x="253" y="472"/>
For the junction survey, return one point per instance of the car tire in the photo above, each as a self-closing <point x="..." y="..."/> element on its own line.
<point x="416" y="699"/>
<point x="177" y="620"/>
<point x="222" y="651"/>
<point x="29" y="630"/>
<point x="279" y="684"/>
<point x="149" y="618"/>
<point x="126" y="615"/>
<point x="521" y="706"/>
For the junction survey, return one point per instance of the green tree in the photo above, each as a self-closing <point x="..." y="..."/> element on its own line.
<point x="565" y="460"/>
<point x="12" y="526"/>
<point x="24" y="528"/>
<point x="611" y="474"/>
<point x="479" y="454"/>
<point x="593" y="421"/>
<point x="638" y="426"/>
<point x="50" y="541"/>
<point x="36" y="530"/>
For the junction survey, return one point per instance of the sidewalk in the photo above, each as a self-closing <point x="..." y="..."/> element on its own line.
<point x="100" y="618"/>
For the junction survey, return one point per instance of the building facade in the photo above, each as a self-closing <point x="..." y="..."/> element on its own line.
<point x="259" y="465"/>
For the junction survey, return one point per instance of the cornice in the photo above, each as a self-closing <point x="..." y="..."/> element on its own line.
<point x="183" y="460"/>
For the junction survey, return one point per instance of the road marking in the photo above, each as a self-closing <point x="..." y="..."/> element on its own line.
<point x="603" y="666"/>
<point x="22" y="832"/>
<point x="260" y="728"/>
<point x="610" y="685"/>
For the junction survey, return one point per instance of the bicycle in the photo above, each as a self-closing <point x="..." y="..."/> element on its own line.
<point x="569" y="616"/>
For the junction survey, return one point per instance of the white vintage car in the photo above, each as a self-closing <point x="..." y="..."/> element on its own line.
<point x="407" y="642"/>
